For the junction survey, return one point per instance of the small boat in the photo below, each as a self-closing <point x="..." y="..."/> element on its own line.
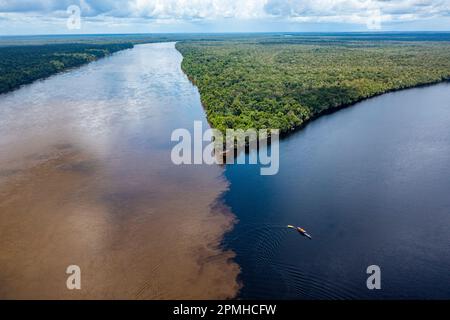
<point x="224" y="153"/>
<point x="302" y="231"/>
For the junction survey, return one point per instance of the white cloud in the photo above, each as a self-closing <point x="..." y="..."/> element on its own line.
<point x="160" y="9"/>
<point x="359" y="12"/>
<point x="196" y="9"/>
<point x="239" y="9"/>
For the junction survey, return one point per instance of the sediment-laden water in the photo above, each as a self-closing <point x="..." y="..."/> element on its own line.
<point x="86" y="179"/>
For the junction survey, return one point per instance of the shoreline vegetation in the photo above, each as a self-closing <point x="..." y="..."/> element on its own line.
<point x="256" y="81"/>
<point x="24" y="64"/>
<point x="255" y="84"/>
<point x="259" y="81"/>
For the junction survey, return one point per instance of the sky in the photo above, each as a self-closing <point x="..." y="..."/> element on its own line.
<point x="159" y="16"/>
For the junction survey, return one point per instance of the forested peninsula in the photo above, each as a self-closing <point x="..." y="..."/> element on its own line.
<point x="20" y="65"/>
<point x="283" y="84"/>
<point x="257" y="80"/>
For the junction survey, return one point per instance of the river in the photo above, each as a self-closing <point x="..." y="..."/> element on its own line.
<point x="86" y="179"/>
<point x="371" y="184"/>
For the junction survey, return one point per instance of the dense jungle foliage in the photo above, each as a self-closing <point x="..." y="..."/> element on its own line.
<point x="21" y="65"/>
<point x="264" y="80"/>
<point x="283" y="82"/>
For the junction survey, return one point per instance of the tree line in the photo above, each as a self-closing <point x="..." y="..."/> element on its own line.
<point x="278" y="84"/>
<point x="21" y="65"/>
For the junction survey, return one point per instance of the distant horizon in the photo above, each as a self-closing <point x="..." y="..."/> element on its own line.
<point x="227" y="32"/>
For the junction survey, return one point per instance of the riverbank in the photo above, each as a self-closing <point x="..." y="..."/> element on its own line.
<point x="345" y="106"/>
<point x="277" y="85"/>
<point x="24" y="64"/>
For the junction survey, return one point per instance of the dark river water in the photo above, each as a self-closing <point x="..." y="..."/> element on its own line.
<point x="371" y="183"/>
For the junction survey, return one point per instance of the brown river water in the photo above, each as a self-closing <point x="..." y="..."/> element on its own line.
<point x="86" y="179"/>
